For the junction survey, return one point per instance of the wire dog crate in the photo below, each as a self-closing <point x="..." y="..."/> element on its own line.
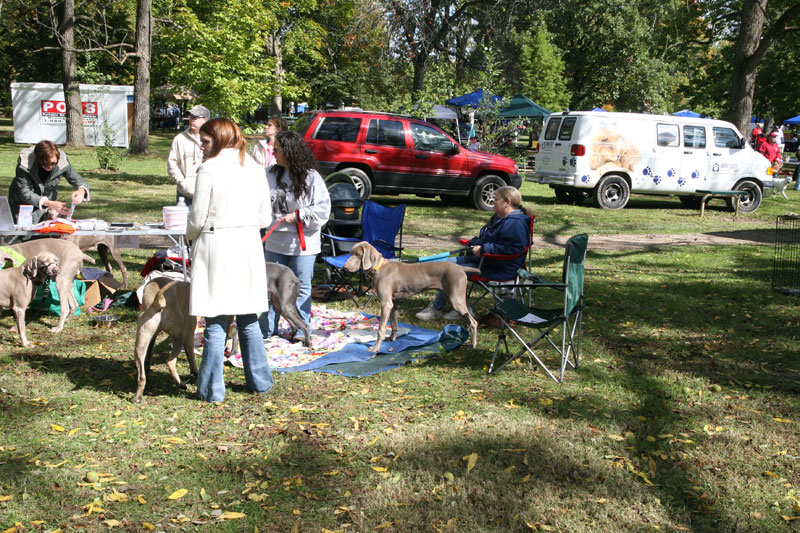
<point x="786" y="263"/>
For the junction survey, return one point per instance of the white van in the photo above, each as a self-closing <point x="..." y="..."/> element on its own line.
<point x="610" y="155"/>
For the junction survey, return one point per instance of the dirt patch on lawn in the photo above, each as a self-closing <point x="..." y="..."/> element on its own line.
<point x="614" y="242"/>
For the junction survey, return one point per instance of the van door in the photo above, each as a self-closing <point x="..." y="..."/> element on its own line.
<point x="694" y="166"/>
<point x="729" y="161"/>
<point x="385" y="147"/>
<point x="661" y="175"/>
<point x="545" y="159"/>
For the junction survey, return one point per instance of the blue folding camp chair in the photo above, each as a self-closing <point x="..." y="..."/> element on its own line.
<point x="515" y="314"/>
<point x="382" y="227"/>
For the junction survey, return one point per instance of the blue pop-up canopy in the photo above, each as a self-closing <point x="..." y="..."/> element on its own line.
<point x="687" y="113"/>
<point x="599" y="110"/>
<point x="793" y="121"/>
<point x="472" y="99"/>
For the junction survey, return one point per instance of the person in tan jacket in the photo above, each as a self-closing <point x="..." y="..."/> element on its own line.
<point x="185" y="156"/>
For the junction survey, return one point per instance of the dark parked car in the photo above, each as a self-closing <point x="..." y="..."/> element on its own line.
<point x="394" y="154"/>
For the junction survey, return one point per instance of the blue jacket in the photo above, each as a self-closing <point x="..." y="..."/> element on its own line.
<point x="503" y="236"/>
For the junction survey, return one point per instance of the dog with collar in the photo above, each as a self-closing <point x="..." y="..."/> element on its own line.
<point x="18" y="286"/>
<point x="393" y="280"/>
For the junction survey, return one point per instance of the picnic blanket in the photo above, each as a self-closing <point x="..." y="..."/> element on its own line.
<point x="340" y="340"/>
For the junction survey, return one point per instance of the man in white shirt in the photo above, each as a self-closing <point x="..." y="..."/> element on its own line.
<point x="185" y="156"/>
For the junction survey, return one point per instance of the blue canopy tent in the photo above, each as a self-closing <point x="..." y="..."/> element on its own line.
<point x="599" y="109"/>
<point x="472" y="99"/>
<point x="688" y="114"/>
<point x="793" y="121"/>
<point x="522" y="106"/>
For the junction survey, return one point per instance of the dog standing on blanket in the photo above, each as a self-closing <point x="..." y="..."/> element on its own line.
<point x="396" y="281"/>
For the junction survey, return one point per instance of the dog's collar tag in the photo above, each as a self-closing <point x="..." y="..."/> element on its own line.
<point x="375" y="269"/>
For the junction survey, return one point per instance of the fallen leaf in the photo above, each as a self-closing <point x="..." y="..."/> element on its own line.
<point x="180" y="493"/>
<point x="472" y="460"/>
<point x="6" y="497"/>
<point x="148" y="526"/>
<point x="231" y="515"/>
<point x="616" y="437"/>
<point x="56" y="427"/>
<point x="111" y="523"/>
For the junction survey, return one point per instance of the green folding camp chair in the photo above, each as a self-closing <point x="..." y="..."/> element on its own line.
<point x="514" y="313"/>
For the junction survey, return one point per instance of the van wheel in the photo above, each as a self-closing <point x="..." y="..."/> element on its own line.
<point x="612" y="192"/>
<point x="483" y="192"/>
<point x="750" y="201"/>
<point x="569" y="195"/>
<point x="360" y="180"/>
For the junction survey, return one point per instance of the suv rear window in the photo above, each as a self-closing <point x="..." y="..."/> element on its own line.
<point x="566" y="129"/>
<point x="386" y="133"/>
<point x="552" y="129"/>
<point x="338" y="129"/>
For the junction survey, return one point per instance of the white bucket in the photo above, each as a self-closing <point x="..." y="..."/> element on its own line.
<point x="175" y="217"/>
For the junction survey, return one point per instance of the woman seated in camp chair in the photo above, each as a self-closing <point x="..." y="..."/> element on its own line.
<point x="506" y="233"/>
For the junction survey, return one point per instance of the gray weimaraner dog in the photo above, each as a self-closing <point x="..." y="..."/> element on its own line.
<point x="393" y="280"/>
<point x="105" y="245"/>
<point x="18" y="286"/>
<point x="70" y="262"/>
<point x="165" y="307"/>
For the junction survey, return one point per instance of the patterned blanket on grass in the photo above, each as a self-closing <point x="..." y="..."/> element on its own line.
<point x="339" y="343"/>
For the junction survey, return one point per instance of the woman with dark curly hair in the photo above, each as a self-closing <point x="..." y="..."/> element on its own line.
<point x="301" y="204"/>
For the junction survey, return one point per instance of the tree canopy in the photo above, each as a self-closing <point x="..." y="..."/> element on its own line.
<point x="237" y="55"/>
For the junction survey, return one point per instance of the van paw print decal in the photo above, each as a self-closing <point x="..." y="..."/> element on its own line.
<point x="657" y="180"/>
<point x="670" y="172"/>
<point x="695" y="174"/>
<point x="572" y="162"/>
<point x="586" y="179"/>
<point x="681" y="181"/>
<point x="647" y="171"/>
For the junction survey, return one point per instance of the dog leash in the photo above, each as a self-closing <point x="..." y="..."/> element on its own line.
<point x="300" y="233"/>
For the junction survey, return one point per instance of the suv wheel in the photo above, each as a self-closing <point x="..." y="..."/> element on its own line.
<point x="483" y="192"/>
<point x="360" y="180"/>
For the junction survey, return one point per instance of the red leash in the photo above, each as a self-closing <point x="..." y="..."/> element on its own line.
<point x="300" y="234"/>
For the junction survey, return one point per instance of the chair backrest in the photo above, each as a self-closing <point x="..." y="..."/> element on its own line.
<point x="381" y="226"/>
<point x="529" y="249"/>
<point x="573" y="273"/>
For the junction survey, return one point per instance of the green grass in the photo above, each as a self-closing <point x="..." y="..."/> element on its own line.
<point x="682" y="416"/>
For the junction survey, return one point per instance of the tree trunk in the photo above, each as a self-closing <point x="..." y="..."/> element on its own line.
<point x="745" y="64"/>
<point x="141" y="79"/>
<point x="276" y="48"/>
<point x="72" y="90"/>
<point x="420" y="64"/>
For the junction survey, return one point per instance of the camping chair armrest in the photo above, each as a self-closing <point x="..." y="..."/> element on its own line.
<point x="464" y="242"/>
<point x="503" y="257"/>
<point x="530" y="281"/>
<point x="337" y="238"/>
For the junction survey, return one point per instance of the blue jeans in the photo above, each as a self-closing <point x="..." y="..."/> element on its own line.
<point x="469" y="260"/>
<point x="303" y="267"/>
<point x="257" y="372"/>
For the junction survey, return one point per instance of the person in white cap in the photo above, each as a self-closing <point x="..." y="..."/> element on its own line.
<point x="185" y="156"/>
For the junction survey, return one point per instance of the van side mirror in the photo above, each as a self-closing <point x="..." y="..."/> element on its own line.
<point x="742" y="142"/>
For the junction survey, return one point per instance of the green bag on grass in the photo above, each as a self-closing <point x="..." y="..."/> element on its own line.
<point x="46" y="299"/>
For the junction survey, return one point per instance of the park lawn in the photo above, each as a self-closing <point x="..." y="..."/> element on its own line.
<point x="682" y="416"/>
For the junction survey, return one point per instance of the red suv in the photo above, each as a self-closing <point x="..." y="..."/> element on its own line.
<point x="395" y="154"/>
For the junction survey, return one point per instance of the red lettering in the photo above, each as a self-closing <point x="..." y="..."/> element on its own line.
<point x="59" y="106"/>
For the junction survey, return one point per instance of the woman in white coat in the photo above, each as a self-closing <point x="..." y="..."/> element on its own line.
<point x="231" y="204"/>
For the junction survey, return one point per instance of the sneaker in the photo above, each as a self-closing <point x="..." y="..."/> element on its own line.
<point x="429" y="313"/>
<point x="452" y="315"/>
